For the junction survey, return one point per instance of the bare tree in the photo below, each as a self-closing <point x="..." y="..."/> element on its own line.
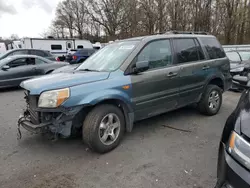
<point x="229" y="20"/>
<point x="108" y="13"/>
<point x="79" y="14"/>
<point x="64" y="13"/>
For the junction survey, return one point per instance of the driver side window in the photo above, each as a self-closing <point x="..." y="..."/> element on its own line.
<point x="157" y="53"/>
<point x="17" y="63"/>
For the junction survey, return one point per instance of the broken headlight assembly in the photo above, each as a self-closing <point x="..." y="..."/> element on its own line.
<point x="53" y="98"/>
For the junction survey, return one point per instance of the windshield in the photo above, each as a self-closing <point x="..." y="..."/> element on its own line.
<point x="245" y="56"/>
<point x="110" y="57"/>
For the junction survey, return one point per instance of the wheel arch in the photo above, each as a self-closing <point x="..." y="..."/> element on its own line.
<point x="216" y="80"/>
<point x="123" y="106"/>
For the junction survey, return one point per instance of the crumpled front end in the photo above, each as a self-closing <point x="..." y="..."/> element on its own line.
<point x="44" y="120"/>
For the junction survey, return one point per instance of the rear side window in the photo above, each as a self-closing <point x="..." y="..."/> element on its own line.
<point x="188" y="50"/>
<point x="39" y="61"/>
<point x="213" y="48"/>
<point x="56" y="47"/>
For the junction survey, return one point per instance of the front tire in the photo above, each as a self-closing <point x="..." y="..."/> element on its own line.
<point x="103" y="128"/>
<point x="211" y="100"/>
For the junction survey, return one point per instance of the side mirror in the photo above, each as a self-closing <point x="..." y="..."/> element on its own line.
<point x="141" y="66"/>
<point x="5" y="67"/>
<point x="241" y="81"/>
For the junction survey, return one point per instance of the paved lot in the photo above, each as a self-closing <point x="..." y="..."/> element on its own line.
<point x="151" y="156"/>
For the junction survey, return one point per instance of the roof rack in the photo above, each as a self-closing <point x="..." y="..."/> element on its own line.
<point x="187" y="32"/>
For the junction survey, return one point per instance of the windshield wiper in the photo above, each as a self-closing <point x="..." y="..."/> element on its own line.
<point x="89" y="70"/>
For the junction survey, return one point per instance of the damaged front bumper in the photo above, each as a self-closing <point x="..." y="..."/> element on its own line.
<point x="58" y="121"/>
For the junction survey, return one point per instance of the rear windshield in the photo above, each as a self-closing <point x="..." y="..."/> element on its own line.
<point x="213" y="47"/>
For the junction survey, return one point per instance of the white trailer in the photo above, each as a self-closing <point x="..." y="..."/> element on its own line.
<point x="2" y="47"/>
<point x="236" y="47"/>
<point x="58" y="47"/>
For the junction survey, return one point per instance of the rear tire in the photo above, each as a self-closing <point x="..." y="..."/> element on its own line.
<point x="211" y="100"/>
<point x="99" y="124"/>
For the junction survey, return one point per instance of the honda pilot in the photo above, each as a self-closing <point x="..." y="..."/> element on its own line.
<point x="127" y="81"/>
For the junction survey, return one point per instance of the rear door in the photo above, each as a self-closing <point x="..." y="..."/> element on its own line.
<point x="219" y="65"/>
<point x="42" y="67"/>
<point x="190" y="57"/>
<point x="155" y="91"/>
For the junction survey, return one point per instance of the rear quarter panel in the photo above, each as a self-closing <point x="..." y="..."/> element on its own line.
<point x="220" y="68"/>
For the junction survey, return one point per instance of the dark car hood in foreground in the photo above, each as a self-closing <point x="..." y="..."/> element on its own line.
<point x="62" y="80"/>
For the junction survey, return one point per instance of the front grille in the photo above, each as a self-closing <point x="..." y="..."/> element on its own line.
<point x="32" y="101"/>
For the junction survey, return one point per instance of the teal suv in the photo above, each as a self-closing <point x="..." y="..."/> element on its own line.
<point x="127" y="81"/>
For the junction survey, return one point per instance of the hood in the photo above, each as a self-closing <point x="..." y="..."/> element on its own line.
<point x="62" y="80"/>
<point x="234" y="65"/>
<point x="68" y="68"/>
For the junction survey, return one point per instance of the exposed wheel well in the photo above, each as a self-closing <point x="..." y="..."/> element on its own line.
<point x="120" y="104"/>
<point x="218" y="82"/>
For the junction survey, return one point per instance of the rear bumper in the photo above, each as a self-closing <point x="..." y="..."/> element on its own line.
<point x="228" y="83"/>
<point x="230" y="173"/>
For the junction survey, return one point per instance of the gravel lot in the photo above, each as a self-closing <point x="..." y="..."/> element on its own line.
<point x="153" y="155"/>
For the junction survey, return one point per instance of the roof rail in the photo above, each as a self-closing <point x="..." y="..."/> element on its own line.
<point x="187" y="32"/>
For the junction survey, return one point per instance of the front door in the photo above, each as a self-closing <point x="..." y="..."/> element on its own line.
<point x="20" y="69"/>
<point x="155" y="91"/>
<point x="193" y="69"/>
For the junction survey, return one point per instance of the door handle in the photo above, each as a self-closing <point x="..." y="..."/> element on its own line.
<point x="172" y="74"/>
<point x="205" y="67"/>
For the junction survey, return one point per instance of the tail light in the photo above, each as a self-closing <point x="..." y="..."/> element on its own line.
<point x="57" y="59"/>
<point x="74" y="57"/>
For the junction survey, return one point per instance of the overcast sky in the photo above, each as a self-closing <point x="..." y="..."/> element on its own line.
<point x="26" y="18"/>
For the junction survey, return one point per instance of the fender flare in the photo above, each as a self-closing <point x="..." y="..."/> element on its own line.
<point x="113" y="95"/>
<point x="217" y="76"/>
